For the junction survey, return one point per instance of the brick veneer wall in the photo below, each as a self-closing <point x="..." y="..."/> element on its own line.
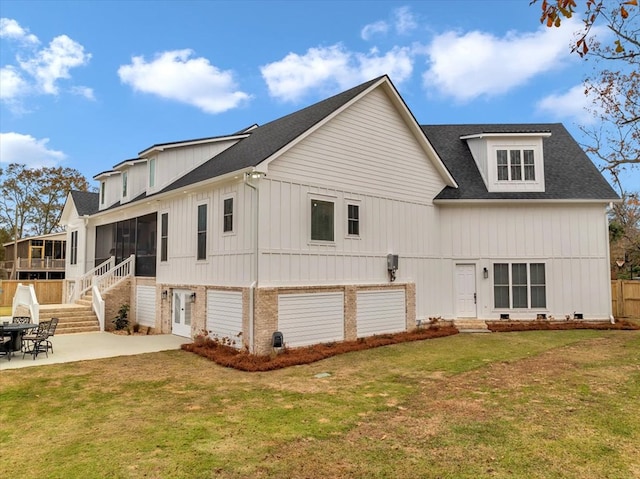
<point x="113" y="300"/>
<point x="266" y="308"/>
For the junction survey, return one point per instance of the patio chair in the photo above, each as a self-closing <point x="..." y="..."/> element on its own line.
<point x="6" y="343"/>
<point x="53" y="324"/>
<point x="36" y="343"/>
<point x="21" y="320"/>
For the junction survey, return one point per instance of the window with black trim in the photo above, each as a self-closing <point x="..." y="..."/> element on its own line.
<point x="322" y="220"/>
<point x="74" y="248"/>
<point x="227" y="216"/>
<point x="164" y="236"/>
<point x="353" y="220"/>
<point x="202" y="232"/>
<point x="519" y="285"/>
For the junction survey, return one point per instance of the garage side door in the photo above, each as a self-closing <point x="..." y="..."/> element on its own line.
<point x="146" y="306"/>
<point x="381" y="312"/>
<point x="306" y="319"/>
<point x="224" y="316"/>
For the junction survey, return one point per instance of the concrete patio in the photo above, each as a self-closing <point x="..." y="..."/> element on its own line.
<point x="86" y="346"/>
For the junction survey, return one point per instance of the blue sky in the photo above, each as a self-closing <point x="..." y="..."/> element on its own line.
<point x="89" y="84"/>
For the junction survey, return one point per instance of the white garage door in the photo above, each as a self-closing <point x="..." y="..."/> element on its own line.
<point x="381" y="312"/>
<point x="305" y="319"/>
<point x="224" y="316"/>
<point x="146" y="306"/>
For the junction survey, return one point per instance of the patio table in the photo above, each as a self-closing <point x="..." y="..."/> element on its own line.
<point x="16" y="331"/>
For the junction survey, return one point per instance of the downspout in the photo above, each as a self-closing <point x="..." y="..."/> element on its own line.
<point x="254" y="282"/>
<point x="607" y="242"/>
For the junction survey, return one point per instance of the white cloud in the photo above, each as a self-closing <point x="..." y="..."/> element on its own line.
<point x="54" y="62"/>
<point x="83" y="91"/>
<point x="13" y="85"/>
<point x="404" y="20"/>
<point x="37" y="70"/>
<point x="372" y="29"/>
<point x="466" y="66"/>
<point x="332" y="67"/>
<point x="175" y="76"/>
<point x="11" y="29"/>
<point x="25" y="149"/>
<point x="572" y="104"/>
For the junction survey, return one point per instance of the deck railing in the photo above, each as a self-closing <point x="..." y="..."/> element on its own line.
<point x="35" y="264"/>
<point x="115" y="275"/>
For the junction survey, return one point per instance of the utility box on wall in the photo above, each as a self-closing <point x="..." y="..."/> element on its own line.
<point x="392" y="262"/>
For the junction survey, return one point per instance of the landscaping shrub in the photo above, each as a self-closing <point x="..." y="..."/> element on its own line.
<point x="506" y="326"/>
<point x="245" y="361"/>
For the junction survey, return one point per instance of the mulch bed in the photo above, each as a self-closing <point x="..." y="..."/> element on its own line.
<point x="506" y="326"/>
<point x="244" y="361"/>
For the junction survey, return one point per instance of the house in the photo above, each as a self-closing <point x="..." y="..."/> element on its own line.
<point x="36" y="257"/>
<point x="347" y="218"/>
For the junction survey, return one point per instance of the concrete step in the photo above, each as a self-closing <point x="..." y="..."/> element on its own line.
<point x="73" y="318"/>
<point x="471" y="326"/>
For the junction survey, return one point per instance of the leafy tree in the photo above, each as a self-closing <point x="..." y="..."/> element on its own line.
<point x="31" y="200"/>
<point x="5" y="237"/>
<point x="624" y="234"/>
<point x="615" y="83"/>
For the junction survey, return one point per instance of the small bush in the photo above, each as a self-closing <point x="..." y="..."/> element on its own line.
<point x="121" y="321"/>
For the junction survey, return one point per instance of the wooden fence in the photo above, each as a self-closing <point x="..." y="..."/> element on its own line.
<point x="625" y="298"/>
<point x="47" y="291"/>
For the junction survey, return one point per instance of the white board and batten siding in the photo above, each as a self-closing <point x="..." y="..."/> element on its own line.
<point x="146" y="306"/>
<point x="311" y="318"/>
<point x="224" y="316"/>
<point x="381" y="312"/>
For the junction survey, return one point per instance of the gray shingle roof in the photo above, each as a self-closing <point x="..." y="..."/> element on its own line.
<point x="86" y="202"/>
<point x="268" y="139"/>
<point x="569" y="173"/>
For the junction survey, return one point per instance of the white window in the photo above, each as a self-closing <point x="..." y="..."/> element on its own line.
<point x="353" y="219"/>
<point x="515" y="165"/>
<point x="202" y="232"/>
<point x="103" y="187"/>
<point x="164" y="236"/>
<point x="124" y="184"/>
<point x="227" y="215"/>
<point x="322" y="220"/>
<point x="519" y="285"/>
<point x="152" y="172"/>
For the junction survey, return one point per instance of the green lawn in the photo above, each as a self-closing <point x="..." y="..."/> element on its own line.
<point x="545" y="404"/>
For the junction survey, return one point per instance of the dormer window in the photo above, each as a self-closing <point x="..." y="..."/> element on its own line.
<point x="515" y="165"/>
<point x="152" y="172"/>
<point x="124" y="184"/>
<point x="509" y="161"/>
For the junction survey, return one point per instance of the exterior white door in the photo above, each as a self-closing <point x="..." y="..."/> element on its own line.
<point x="181" y="320"/>
<point x="466" y="291"/>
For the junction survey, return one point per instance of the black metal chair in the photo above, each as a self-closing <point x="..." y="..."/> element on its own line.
<point x="6" y="343"/>
<point x="21" y="320"/>
<point x="53" y="324"/>
<point x="36" y="343"/>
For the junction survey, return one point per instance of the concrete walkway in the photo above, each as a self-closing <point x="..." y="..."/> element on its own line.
<point x="85" y="346"/>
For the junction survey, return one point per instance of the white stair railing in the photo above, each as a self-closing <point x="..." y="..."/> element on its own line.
<point x="98" y="306"/>
<point x="115" y="275"/>
<point x="85" y="282"/>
